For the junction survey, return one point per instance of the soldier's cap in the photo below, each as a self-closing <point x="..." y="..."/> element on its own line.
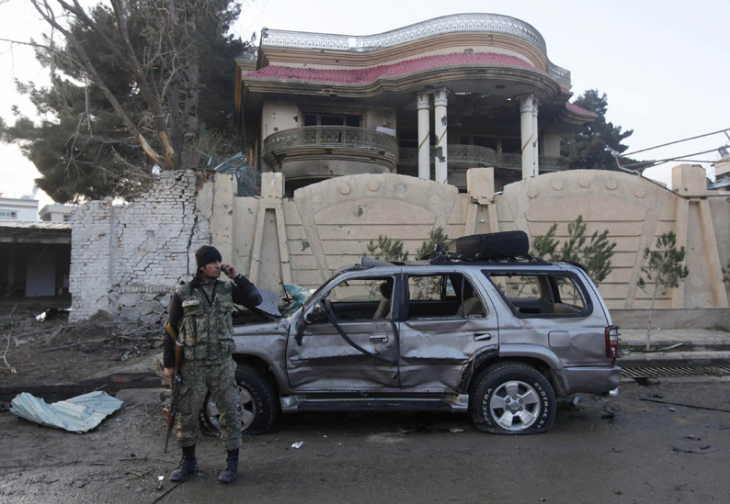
<point x="206" y="255"/>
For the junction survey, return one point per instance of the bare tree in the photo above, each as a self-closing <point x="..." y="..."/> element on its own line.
<point x="165" y="69"/>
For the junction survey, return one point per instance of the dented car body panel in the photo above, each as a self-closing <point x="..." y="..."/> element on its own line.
<point x="415" y="336"/>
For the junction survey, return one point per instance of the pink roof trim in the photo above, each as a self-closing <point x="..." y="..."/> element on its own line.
<point x="372" y="73"/>
<point x="579" y="110"/>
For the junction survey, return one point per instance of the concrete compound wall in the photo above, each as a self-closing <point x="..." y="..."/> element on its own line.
<point x="126" y="259"/>
<point x="327" y="225"/>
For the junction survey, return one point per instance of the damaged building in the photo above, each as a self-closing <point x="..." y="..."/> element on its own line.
<point x="454" y="123"/>
<point x="428" y="100"/>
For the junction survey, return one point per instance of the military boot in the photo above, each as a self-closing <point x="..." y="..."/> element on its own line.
<point x="230" y="473"/>
<point x="188" y="465"/>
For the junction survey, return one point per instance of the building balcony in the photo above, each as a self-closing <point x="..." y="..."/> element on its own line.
<point x="326" y="151"/>
<point x="473" y="156"/>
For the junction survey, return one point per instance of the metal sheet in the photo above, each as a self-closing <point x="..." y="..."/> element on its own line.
<point x="79" y="414"/>
<point x="270" y="303"/>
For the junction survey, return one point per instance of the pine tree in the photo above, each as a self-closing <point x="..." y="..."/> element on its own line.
<point x="596" y="144"/>
<point x="130" y="86"/>
<point x="663" y="267"/>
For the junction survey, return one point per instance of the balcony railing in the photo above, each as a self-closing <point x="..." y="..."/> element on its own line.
<point x="476" y="156"/>
<point x="330" y="136"/>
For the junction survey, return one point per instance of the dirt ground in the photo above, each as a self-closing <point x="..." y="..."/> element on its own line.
<point x="621" y="450"/>
<point x="53" y="351"/>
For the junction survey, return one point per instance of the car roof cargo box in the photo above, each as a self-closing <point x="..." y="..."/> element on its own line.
<point x="487" y="247"/>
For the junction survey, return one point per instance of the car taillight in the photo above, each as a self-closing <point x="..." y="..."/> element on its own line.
<point x="612" y="341"/>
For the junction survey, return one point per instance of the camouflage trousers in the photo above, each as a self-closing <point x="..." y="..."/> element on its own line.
<point x="197" y="379"/>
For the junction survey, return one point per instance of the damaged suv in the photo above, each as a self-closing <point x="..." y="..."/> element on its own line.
<point x="498" y="337"/>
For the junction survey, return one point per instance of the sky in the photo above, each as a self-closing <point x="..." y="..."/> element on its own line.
<point x="663" y="64"/>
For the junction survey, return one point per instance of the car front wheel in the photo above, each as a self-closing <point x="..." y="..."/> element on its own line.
<point x="512" y="398"/>
<point x="257" y="403"/>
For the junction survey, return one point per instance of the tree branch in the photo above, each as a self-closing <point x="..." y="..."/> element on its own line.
<point x="88" y="66"/>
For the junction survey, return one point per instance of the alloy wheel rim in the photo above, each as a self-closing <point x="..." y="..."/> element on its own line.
<point x="515" y="405"/>
<point x="247" y="409"/>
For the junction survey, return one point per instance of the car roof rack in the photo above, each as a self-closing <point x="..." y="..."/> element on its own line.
<point x="504" y="260"/>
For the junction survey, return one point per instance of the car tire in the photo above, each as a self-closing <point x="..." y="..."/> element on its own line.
<point x="493" y="245"/>
<point x="512" y="398"/>
<point x="257" y="403"/>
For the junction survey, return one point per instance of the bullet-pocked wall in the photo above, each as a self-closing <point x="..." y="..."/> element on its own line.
<point x="327" y="225"/>
<point x="127" y="259"/>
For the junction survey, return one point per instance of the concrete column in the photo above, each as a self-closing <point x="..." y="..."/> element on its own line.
<point x="535" y="131"/>
<point x="527" y="103"/>
<point x="423" y="104"/>
<point x="11" y="270"/>
<point x="440" y="101"/>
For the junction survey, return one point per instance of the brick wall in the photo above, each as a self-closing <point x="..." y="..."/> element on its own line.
<point x="127" y="259"/>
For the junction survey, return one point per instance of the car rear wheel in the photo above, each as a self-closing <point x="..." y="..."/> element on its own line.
<point x="257" y="403"/>
<point x="512" y="398"/>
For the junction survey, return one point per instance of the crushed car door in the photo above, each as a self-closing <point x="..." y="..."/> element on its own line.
<point x="349" y="340"/>
<point x="446" y="324"/>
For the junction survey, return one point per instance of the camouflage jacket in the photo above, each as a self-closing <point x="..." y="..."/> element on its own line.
<point x="200" y="317"/>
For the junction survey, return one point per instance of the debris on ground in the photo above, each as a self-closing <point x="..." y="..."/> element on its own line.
<point x="456" y="430"/>
<point x="297" y="445"/>
<point x="79" y="414"/>
<point x="704" y="449"/>
<point x="645" y="381"/>
<point x="609" y="413"/>
<point x="52" y="313"/>
<point x="685" y="405"/>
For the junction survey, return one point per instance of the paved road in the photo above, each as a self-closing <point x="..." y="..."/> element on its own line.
<point x="647" y="453"/>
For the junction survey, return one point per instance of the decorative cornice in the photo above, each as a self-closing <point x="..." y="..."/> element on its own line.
<point x="539" y="80"/>
<point x="484" y="23"/>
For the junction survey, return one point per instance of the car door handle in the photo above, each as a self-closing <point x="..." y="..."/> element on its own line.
<point x="482" y="336"/>
<point x="379" y="337"/>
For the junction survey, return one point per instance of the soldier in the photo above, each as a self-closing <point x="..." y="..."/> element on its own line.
<point x="200" y="320"/>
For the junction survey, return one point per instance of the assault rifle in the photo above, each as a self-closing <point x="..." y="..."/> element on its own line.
<point x="172" y="411"/>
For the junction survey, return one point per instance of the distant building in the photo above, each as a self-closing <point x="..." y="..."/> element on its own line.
<point x="36" y="258"/>
<point x="21" y="209"/>
<point x="56" y="213"/>
<point x="722" y="171"/>
<point x="428" y="100"/>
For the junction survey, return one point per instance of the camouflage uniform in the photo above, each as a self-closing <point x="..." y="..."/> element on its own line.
<point x="206" y="330"/>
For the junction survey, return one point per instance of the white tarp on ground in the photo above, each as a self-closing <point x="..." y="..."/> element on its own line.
<point x="78" y="414"/>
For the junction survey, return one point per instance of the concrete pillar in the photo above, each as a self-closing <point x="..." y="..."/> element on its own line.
<point x="423" y="104"/>
<point x="535" y="131"/>
<point x="551" y="143"/>
<point x="440" y="101"/>
<point x="527" y="103"/>
<point x="11" y="270"/>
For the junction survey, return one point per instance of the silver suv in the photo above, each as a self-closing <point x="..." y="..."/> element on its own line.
<point x="498" y="339"/>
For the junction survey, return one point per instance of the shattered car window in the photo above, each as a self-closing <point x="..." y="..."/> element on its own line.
<point x="540" y="293"/>
<point x="362" y="298"/>
<point x="440" y="296"/>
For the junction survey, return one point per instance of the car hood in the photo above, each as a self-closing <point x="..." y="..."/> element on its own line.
<point x="270" y="303"/>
